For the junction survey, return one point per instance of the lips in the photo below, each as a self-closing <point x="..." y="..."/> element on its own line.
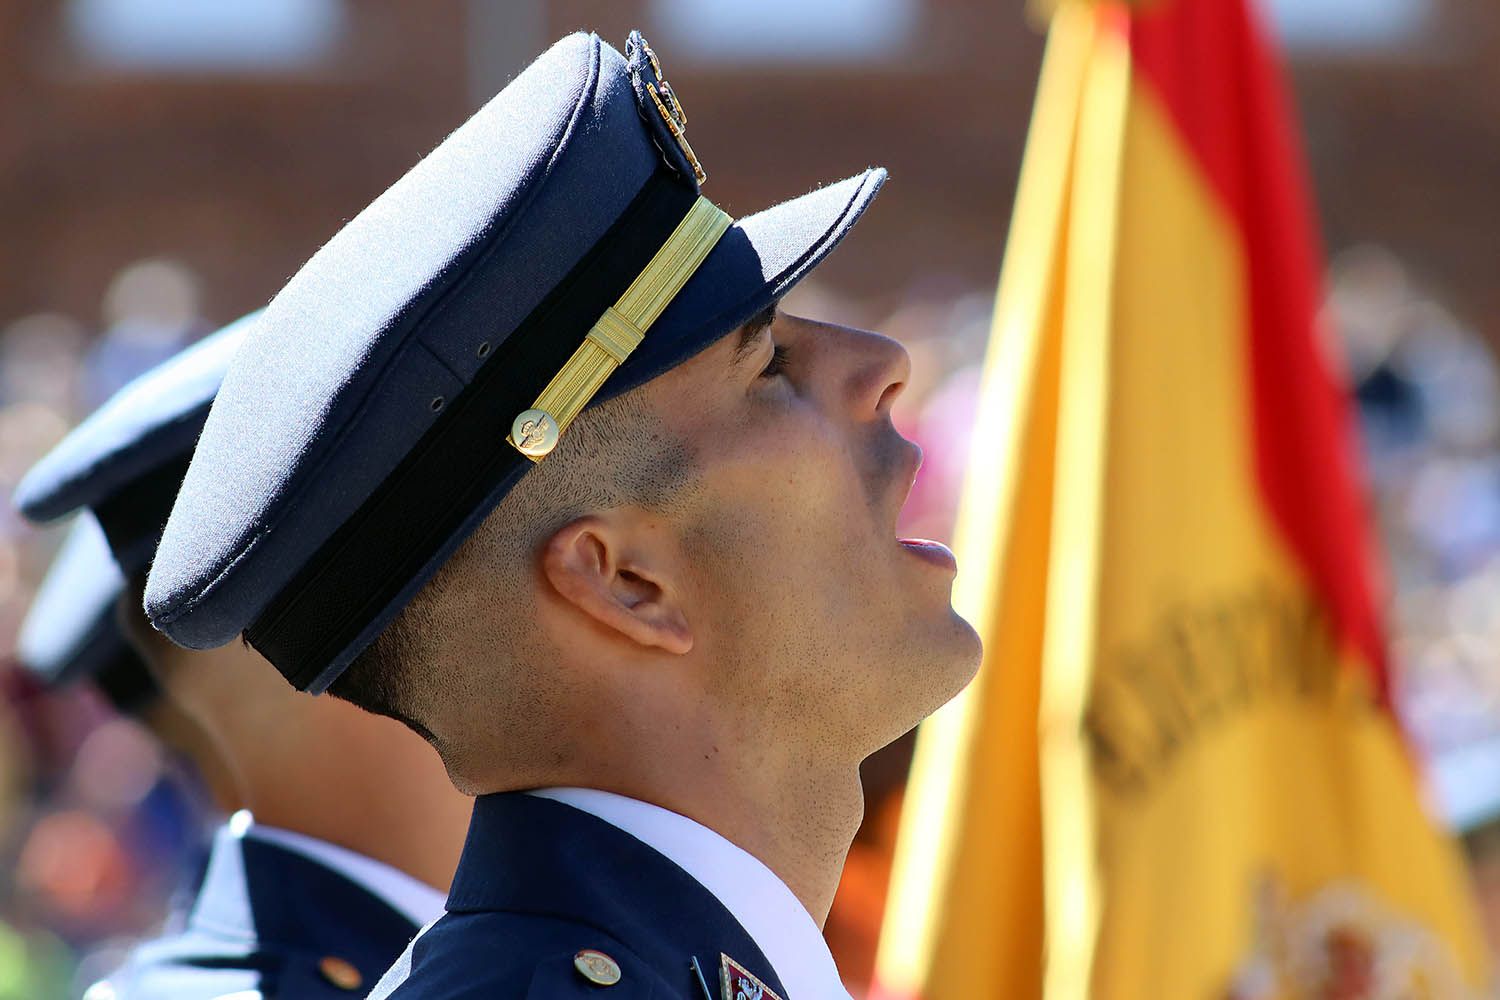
<point x="935" y="553"/>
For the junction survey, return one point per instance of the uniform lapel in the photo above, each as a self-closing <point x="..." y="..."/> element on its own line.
<point x="530" y="855"/>
<point x="299" y="918"/>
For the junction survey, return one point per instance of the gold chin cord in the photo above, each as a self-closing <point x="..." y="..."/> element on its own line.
<point x="535" y="432"/>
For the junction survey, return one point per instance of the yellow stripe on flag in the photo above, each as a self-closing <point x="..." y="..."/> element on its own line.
<point x="1168" y="741"/>
<point x="971" y="813"/>
<point x="1078" y="503"/>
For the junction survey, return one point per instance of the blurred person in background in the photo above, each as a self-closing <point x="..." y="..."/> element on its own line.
<point x="104" y="854"/>
<point x="356" y="829"/>
<point x="1428" y="388"/>
<point x="107" y="819"/>
<point x="152" y="310"/>
<point x="34" y="961"/>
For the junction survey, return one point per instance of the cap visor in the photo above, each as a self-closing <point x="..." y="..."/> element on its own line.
<point x="755" y="262"/>
<point x="70" y="630"/>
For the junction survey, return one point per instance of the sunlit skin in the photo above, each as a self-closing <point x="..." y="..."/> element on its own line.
<point x="736" y="658"/>
<point x="316" y="766"/>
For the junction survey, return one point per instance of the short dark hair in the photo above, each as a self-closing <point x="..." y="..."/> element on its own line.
<point x="381" y="679"/>
<point x="615" y="454"/>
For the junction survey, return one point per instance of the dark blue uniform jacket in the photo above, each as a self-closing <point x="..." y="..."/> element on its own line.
<point x="540" y="881"/>
<point x="271" y="921"/>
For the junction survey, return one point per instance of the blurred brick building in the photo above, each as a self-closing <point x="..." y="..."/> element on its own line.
<point x="242" y="168"/>
<point x="239" y="141"/>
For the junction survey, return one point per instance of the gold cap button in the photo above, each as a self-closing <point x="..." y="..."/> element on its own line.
<point x="597" y="967"/>
<point x="340" y="973"/>
<point x="534" y="433"/>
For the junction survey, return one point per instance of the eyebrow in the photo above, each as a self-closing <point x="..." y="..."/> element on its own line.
<point x="751" y="331"/>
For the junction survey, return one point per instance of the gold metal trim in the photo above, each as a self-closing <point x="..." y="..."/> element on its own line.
<point x="651" y="54"/>
<point x="533" y="432"/>
<point x="676" y="119"/>
<point x="620" y="330"/>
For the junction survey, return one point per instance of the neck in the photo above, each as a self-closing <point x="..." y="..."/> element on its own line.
<point x="315" y="765"/>
<point x="337" y="774"/>
<point x="796" y="816"/>
<point x="801" y="831"/>
<point x="415" y="832"/>
<point x="183" y="734"/>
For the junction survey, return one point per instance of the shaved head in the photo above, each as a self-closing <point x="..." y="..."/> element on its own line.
<point x="615" y="454"/>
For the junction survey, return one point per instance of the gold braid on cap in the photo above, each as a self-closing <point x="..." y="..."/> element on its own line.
<point x="535" y="432"/>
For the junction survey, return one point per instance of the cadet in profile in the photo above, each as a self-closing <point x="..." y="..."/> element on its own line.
<point x="527" y="457"/>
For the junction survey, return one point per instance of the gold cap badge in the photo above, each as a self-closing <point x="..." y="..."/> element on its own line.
<point x="668" y="104"/>
<point x="534" y="433"/>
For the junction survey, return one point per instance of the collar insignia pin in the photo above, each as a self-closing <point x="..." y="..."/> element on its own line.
<point x="740" y="984"/>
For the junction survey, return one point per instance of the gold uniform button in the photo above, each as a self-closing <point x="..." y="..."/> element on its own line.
<point x="534" y="433"/>
<point x="597" y="967"/>
<point x="340" y="973"/>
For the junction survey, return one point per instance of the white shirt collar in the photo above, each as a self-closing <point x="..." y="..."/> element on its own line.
<point x="774" y="918"/>
<point x="417" y="901"/>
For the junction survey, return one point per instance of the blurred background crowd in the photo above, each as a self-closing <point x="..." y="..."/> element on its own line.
<point x="167" y="164"/>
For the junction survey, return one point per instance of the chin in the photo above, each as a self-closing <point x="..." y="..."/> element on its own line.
<point x="965" y="650"/>
<point x="931" y="673"/>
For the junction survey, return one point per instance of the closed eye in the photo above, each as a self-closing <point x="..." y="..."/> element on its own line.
<point x="777" y="364"/>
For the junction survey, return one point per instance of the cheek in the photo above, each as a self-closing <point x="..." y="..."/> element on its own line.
<point x="803" y="475"/>
<point x="795" y="599"/>
<point x="770" y="561"/>
<point x="809" y="525"/>
<point x="789" y="550"/>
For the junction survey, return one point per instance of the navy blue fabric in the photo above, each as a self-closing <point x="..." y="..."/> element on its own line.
<point x="70" y="633"/>
<point x="538" y="882"/>
<point x="263" y="918"/>
<point x="133" y="516"/>
<point x="355" y="359"/>
<point x="756" y="262"/>
<point x="424" y="499"/>
<point x="152" y="420"/>
<point x="398" y="309"/>
<point x="121" y="468"/>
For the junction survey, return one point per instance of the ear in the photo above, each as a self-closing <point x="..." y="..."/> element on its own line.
<point x="587" y="565"/>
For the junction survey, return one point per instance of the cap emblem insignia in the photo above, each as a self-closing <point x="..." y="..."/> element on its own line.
<point x="534" y="433"/>
<point x="665" y="100"/>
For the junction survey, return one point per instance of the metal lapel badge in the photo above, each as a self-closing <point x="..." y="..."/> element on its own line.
<point x="738" y="983"/>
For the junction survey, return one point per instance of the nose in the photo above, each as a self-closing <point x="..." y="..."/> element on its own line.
<point x="880" y="370"/>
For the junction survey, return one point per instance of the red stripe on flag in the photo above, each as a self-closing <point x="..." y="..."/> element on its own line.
<point x="1208" y="63"/>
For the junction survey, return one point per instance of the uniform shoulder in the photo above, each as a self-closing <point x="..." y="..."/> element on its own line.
<point x="181" y="965"/>
<point x="196" y="966"/>
<point x="510" y="956"/>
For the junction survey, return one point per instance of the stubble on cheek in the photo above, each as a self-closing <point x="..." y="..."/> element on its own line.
<point x="755" y="607"/>
<point x="790" y="561"/>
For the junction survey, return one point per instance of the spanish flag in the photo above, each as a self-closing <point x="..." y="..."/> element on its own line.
<point x="1178" y="774"/>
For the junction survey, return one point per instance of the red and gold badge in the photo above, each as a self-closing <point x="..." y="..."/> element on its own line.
<point x="740" y="983"/>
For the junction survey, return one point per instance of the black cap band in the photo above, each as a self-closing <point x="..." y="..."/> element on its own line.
<point x="134" y="516"/>
<point x="461" y="461"/>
